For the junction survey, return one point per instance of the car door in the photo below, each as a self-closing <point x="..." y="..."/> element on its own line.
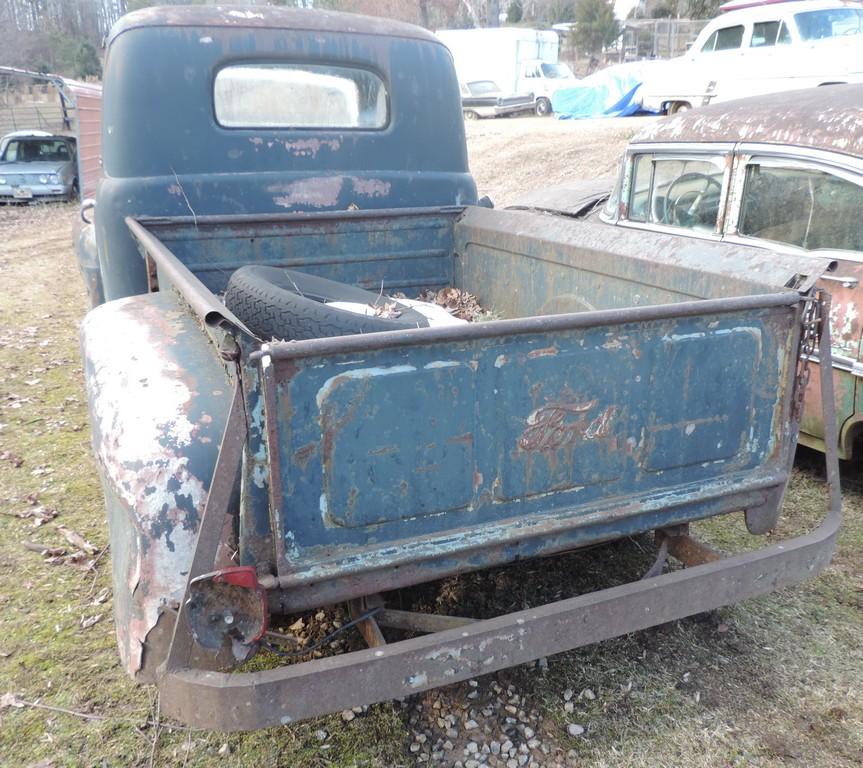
<point x="815" y="204"/>
<point x="769" y="57"/>
<point x="720" y="66"/>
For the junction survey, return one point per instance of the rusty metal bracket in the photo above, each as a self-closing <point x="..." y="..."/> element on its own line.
<point x="368" y="627"/>
<point x="828" y="404"/>
<point x="684" y="547"/>
<point x="412" y="621"/>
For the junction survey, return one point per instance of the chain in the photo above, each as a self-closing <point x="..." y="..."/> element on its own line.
<point x="809" y="337"/>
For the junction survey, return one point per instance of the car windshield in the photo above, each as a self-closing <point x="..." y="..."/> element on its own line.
<point x="482" y="87"/>
<point x="556" y="71"/>
<point x="36" y="150"/>
<point x="836" y="22"/>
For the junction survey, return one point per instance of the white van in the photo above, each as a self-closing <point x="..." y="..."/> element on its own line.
<point x="762" y="47"/>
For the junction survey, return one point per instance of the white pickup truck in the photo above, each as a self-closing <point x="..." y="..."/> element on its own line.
<point x="762" y="47"/>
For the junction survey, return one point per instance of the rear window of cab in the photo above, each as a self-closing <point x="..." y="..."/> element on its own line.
<point x="300" y="96"/>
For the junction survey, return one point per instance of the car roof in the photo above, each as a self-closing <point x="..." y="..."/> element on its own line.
<point x="828" y="118"/>
<point x="743" y="10"/>
<point x="28" y="134"/>
<point x="266" y="16"/>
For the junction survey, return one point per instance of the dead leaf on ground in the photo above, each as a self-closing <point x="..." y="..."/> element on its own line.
<point x="77" y="540"/>
<point x="89" y="621"/>
<point x="102" y="597"/>
<point x="39" y="514"/>
<point x="10" y="700"/>
<point x="46" y="550"/>
<point x="15" y="461"/>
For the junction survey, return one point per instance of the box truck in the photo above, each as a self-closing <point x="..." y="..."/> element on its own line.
<point x="517" y="60"/>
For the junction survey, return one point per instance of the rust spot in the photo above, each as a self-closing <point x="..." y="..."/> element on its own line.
<point x="544" y="352"/>
<point x="371" y="187"/>
<point x="318" y="192"/>
<point x="466" y="438"/>
<point x="302" y="455"/>
<point x="311" y="147"/>
<point x="384" y="450"/>
<point x="352" y="498"/>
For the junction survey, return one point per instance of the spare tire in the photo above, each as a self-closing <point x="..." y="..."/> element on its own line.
<point x="279" y="303"/>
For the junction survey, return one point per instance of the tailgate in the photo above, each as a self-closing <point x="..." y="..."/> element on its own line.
<point x="396" y="458"/>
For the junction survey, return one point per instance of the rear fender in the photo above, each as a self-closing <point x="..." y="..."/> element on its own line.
<point x="158" y="396"/>
<point x="88" y="262"/>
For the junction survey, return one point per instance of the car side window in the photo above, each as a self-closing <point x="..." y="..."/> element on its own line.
<point x="639" y="188"/>
<point x="725" y="39"/>
<point x="784" y="36"/>
<point x="804" y="207"/>
<point x="676" y="192"/>
<point x="765" y="33"/>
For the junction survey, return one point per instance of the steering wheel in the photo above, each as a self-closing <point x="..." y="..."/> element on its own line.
<point x="683" y="209"/>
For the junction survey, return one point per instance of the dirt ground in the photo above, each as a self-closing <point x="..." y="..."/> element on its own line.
<point x="776" y="682"/>
<point x="510" y="157"/>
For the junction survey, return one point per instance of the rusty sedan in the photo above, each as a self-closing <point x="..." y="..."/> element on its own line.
<point x="784" y="172"/>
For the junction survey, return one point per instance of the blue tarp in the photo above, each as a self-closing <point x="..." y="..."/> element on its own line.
<point x="611" y="92"/>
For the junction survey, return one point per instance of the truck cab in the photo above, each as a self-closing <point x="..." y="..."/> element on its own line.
<point x="544" y="79"/>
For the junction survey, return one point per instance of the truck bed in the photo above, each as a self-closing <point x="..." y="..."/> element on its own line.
<point x="633" y="383"/>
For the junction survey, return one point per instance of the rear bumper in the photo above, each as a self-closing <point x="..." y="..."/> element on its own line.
<point x="235" y="702"/>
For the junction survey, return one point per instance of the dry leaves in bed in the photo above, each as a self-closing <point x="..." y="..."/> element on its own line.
<point x="458" y="303"/>
<point x="387" y="310"/>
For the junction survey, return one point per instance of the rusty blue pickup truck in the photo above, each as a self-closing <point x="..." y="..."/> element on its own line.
<point x="282" y="424"/>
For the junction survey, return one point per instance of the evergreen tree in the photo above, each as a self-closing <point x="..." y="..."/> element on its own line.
<point x="595" y="25"/>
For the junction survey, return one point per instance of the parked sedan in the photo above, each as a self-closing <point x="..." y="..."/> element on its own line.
<point x="784" y="171"/>
<point x="37" y="165"/>
<point x="762" y="47"/>
<point x="483" y="98"/>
